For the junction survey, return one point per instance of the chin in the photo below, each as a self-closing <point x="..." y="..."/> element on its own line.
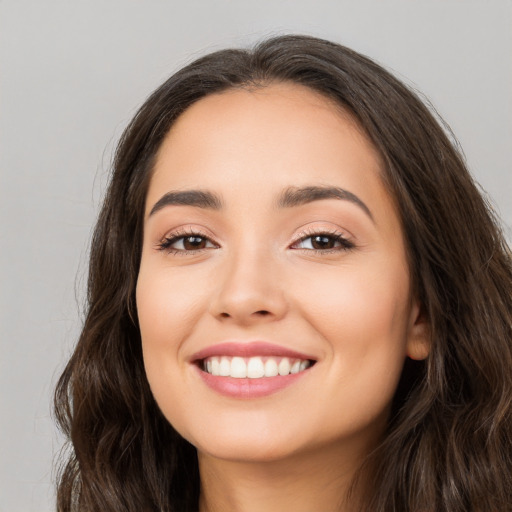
<point x="247" y="450"/>
<point x="263" y="444"/>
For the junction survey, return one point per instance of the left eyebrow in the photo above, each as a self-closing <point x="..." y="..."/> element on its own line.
<point x="297" y="196"/>
<point x="197" y="198"/>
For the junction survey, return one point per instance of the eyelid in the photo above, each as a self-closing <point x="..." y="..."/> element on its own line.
<point x="164" y="243"/>
<point x="322" y="229"/>
<point x="172" y="236"/>
<point x="339" y="235"/>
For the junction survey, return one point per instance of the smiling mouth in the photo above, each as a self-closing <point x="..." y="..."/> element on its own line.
<point x="255" y="367"/>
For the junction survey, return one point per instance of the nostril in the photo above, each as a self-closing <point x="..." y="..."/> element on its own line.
<point x="262" y="313"/>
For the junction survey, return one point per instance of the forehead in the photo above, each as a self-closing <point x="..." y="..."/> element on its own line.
<point x="266" y="138"/>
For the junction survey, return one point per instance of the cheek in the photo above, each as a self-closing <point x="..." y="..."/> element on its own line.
<point x="168" y="308"/>
<point x="363" y="316"/>
<point x="167" y="305"/>
<point x="349" y="300"/>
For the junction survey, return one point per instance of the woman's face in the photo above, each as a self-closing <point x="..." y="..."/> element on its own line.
<point x="271" y="246"/>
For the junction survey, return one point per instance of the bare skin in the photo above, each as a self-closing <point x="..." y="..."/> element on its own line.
<point x="323" y="275"/>
<point x="319" y="482"/>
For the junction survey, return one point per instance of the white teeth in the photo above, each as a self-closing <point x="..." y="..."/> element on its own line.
<point x="284" y="366"/>
<point x="295" y="367"/>
<point x="225" y="367"/>
<point x="238" y="368"/>
<point x="271" y="369"/>
<point x="253" y="367"/>
<point x="215" y="366"/>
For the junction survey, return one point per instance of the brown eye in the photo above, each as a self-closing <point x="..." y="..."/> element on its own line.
<point x="320" y="242"/>
<point x="186" y="243"/>
<point x="324" y="242"/>
<point x="192" y="243"/>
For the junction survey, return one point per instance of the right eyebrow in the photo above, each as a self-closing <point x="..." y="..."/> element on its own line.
<point x="296" y="196"/>
<point x="197" y="198"/>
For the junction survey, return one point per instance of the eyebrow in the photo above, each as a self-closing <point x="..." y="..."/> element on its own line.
<point x="197" y="198"/>
<point x="297" y="196"/>
<point x="289" y="198"/>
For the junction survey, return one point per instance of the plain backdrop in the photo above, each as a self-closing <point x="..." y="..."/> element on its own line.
<point x="72" y="73"/>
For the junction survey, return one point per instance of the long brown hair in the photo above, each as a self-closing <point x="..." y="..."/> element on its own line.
<point x="449" y="440"/>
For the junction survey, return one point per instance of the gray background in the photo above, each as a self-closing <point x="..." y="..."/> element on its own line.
<point x="72" y="75"/>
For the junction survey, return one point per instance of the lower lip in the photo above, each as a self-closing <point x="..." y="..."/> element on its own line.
<point x="249" y="388"/>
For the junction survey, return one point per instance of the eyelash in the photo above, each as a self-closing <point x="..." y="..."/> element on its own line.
<point x="334" y="236"/>
<point x="168" y="241"/>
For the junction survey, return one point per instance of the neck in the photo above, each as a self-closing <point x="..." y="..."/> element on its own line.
<point x="315" y="481"/>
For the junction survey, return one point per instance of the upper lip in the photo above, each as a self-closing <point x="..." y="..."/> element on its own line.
<point x="249" y="349"/>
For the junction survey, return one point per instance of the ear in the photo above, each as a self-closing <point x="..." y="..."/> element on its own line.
<point x="418" y="338"/>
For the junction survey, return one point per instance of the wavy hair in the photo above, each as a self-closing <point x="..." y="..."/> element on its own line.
<point x="448" y="444"/>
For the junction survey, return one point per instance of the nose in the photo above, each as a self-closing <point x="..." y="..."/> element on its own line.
<point x="249" y="291"/>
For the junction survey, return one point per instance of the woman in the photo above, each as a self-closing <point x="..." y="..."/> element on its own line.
<point x="297" y="300"/>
